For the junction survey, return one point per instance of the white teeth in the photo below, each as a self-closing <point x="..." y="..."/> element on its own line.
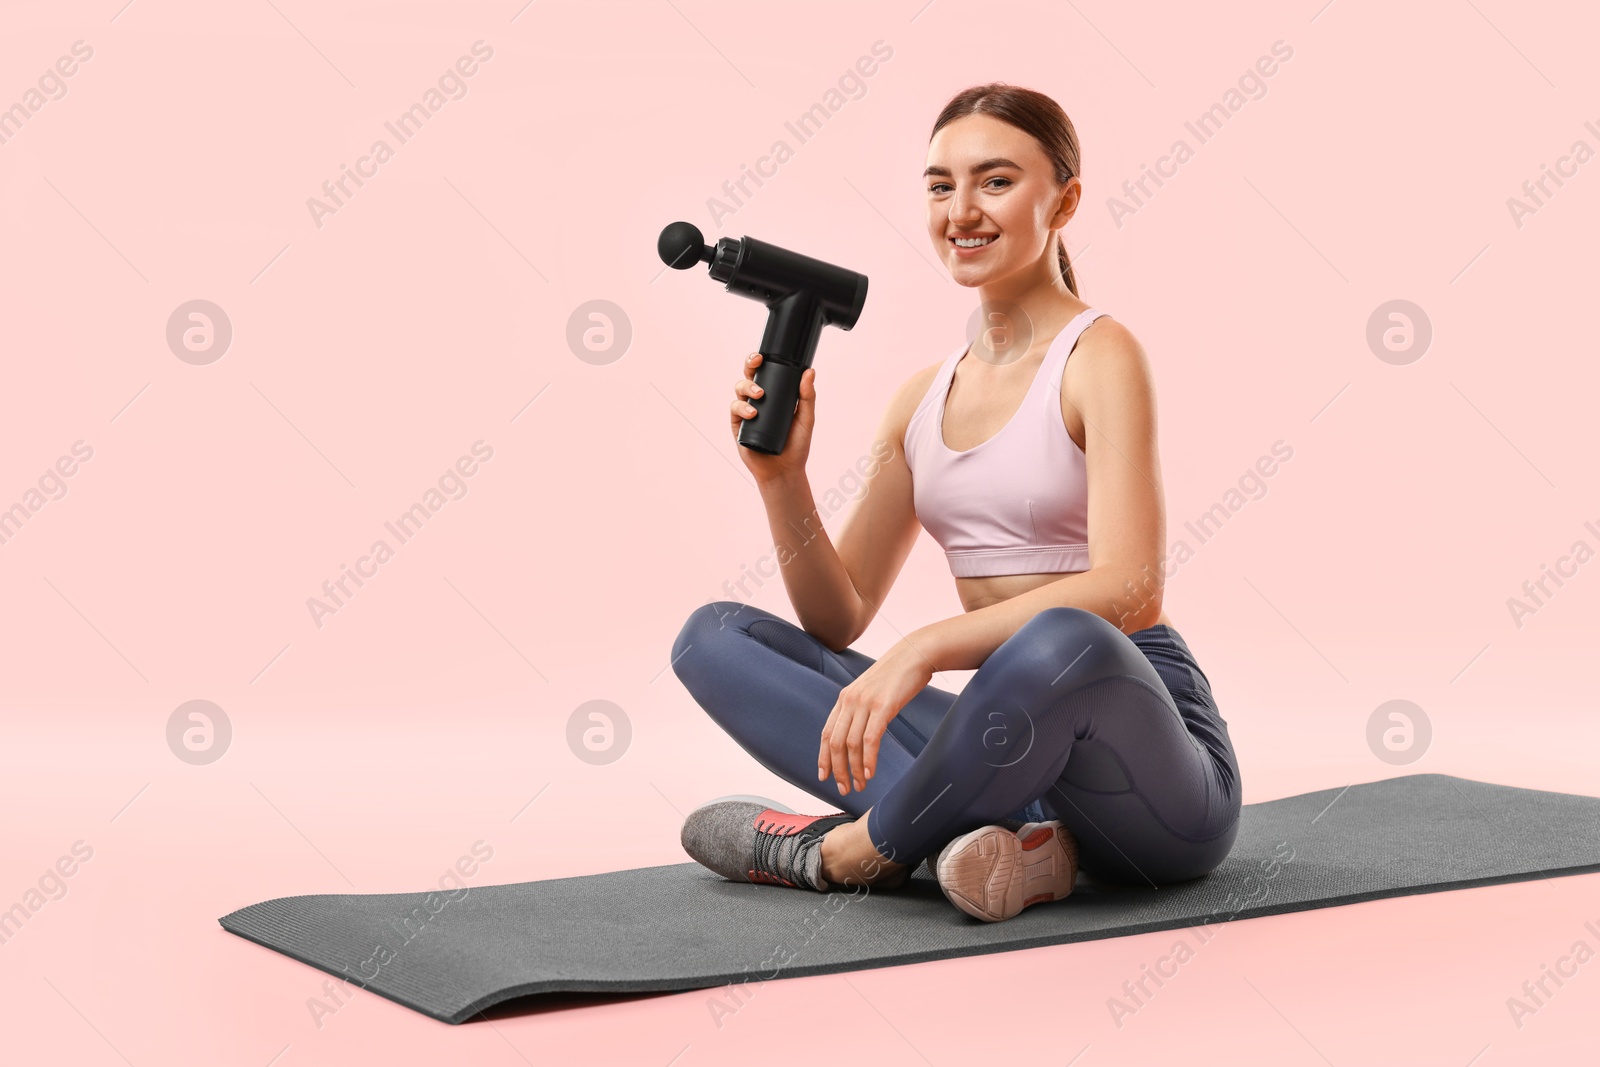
<point x="972" y="242"/>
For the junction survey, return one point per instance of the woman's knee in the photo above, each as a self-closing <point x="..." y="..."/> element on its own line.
<point x="1073" y="624"/>
<point x="1067" y="646"/>
<point x="712" y="619"/>
<point x="701" y="633"/>
<point x="720" y="614"/>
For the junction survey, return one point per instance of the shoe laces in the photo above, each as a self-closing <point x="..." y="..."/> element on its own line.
<point x="770" y="859"/>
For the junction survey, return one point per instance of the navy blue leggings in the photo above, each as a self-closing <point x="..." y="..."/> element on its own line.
<point x="1117" y="735"/>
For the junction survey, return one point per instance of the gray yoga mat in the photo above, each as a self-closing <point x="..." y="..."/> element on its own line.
<point x="679" y="926"/>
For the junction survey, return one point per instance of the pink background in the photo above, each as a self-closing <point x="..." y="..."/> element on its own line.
<point x="433" y="307"/>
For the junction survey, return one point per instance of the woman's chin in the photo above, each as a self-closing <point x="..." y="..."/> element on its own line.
<point x="971" y="275"/>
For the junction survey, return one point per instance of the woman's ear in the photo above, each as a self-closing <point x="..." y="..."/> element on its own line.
<point x="1067" y="206"/>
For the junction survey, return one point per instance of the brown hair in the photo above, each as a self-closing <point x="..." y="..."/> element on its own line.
<point x="1035" y="114"/>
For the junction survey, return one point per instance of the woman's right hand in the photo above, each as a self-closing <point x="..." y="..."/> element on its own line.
<point x="792" y="462"/>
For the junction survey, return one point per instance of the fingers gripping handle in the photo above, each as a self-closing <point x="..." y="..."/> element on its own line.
<point x="768" y="429"/>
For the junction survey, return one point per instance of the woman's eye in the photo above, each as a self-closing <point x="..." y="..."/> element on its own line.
<point x="941" y="187"/>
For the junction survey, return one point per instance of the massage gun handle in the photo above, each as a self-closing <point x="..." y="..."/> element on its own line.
<point x="794" y="322"/>
<point x="768" y="429"/>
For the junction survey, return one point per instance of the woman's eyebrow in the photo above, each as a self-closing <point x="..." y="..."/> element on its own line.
<point x="977" y="168"/>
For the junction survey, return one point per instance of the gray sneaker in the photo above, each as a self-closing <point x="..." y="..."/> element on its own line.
<point x="752" y="839"/>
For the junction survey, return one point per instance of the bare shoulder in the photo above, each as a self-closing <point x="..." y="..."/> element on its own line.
<point x="1107" y="354"/>
<point x="1108" y="376"/>
<point x="1105" y="340"/>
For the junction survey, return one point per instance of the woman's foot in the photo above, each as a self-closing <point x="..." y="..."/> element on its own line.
<point x="752" y="839"/>
<point x="993" y="872"/>
<point x="850" y="858"/>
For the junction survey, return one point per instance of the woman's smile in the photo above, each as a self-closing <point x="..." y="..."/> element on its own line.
<point x="967" y="247"/>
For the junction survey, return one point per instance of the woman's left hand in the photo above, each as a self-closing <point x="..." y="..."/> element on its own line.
<point x="861" y="714"/>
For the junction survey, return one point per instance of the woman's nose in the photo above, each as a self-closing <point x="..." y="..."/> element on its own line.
<point x="964" y="205"/>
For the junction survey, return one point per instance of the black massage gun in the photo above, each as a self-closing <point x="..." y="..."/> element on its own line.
<point x="802" y="296"/>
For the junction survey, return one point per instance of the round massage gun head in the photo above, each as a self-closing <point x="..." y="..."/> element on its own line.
<point x="681" y="246"/>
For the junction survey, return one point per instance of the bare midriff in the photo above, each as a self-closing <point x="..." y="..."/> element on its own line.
<point x="978" y="593"/>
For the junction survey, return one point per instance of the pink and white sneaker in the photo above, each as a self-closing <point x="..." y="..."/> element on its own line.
<point x="993" y="872"/>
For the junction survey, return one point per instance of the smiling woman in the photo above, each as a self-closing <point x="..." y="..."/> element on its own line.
<point x="1089" y="732"/>
<point x="995" y="174"/>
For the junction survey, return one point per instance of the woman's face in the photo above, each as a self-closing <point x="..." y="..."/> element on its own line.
<point x="988" y="179"/>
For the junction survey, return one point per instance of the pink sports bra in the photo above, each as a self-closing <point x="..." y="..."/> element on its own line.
<point x="1019" y="502"/>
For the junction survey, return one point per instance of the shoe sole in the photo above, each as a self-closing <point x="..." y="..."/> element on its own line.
<point x="992" y="873"/>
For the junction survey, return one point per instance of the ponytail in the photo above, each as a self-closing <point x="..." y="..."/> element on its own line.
<point x="1066" y="267"/>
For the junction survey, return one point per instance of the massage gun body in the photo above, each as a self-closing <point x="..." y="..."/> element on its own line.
<point x="802" y="295"/>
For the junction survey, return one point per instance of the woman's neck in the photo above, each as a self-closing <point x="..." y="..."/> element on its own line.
<point x="1022" y="306"/>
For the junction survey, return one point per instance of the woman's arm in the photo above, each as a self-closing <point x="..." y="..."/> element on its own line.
<point x="836" y="592"/>
<point x="1127" y="511"/>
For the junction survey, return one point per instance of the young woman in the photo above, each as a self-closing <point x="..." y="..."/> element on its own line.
<point x="1088" y="733"/>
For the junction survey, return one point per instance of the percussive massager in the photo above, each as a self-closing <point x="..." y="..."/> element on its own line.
<point x="802" y="296"/>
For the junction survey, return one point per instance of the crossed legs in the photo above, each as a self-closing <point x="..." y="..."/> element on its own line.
<point x="1069" y="718"/>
